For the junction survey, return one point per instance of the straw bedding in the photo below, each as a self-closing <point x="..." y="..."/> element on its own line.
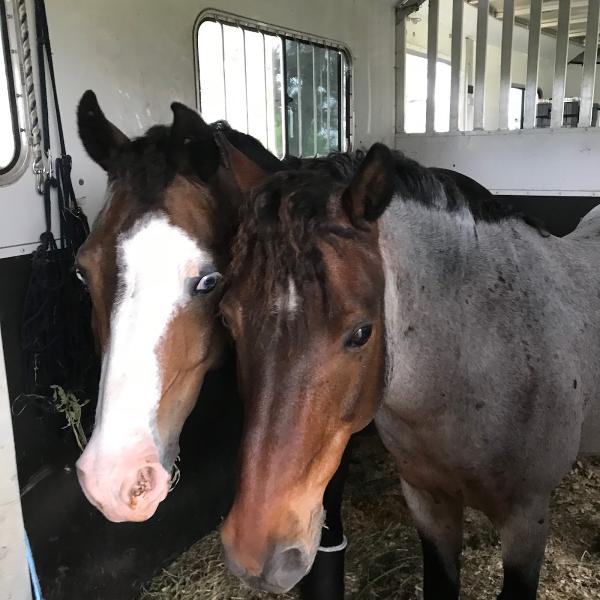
<point x="383" y="556"/>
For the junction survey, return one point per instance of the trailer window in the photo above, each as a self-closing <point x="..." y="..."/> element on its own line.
<point x="288" y="92"/>
<point x="9" y="140"/>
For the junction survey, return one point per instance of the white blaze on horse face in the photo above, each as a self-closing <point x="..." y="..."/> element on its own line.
<point x="288" y="300"/>
<point x="154" y="262"/>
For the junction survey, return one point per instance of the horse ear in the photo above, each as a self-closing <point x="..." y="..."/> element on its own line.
<point x="101" y="139"/>
<point x="193" y="147"/>
<point x="372" y="188"/>
<point x="247" y="173"/>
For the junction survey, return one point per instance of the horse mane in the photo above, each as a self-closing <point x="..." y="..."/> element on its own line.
<point x="283" y="221"/>
<point x="249" y="146"/>
<point x="144" y="164"/>
<point x="447" y="190"/>
<point x="147" y="161"/>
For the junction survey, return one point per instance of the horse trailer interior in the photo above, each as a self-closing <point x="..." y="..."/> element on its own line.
<point x="503" y="92"/>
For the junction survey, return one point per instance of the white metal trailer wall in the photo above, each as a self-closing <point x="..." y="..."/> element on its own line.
<point x="138" y="56"/>
<point x="14" y="573"/>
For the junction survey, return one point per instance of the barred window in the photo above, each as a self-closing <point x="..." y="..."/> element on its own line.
<point x="290" y="92"/>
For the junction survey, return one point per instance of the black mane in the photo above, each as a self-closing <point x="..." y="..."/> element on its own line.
<point x="448" y="190"/>
<point x="148" y="165"/>
<point x="284" y="220"/>
<point x="144" y="163"/>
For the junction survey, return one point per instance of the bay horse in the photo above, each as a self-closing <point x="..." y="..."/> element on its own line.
<point x="152" y="265"/>
<point x="470" y="336"/>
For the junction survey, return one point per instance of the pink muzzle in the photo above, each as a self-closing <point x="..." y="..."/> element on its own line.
<point x="127" y="487"/>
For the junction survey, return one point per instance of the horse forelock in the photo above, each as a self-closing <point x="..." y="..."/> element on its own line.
<point x="278" y="246"/>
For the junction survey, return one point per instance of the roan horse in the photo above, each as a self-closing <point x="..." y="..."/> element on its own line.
<point x="470" y="336"/>
<point x="152" y="267"/>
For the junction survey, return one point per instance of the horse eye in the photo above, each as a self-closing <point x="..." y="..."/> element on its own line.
<point x="207" y="283"/>
<point x="225" y="321"/>
<point x="360" y="336"/>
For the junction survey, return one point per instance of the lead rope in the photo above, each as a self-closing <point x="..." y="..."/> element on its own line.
<point x="40" y="169"/>
<point x="341" y="546"/>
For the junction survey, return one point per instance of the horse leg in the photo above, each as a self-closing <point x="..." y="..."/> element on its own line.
<point x="325" y="581"/>
<point x="523" y="536"/>
<point x="439" y="523"/>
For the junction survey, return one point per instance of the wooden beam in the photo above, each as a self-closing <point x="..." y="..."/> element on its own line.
<point x="521" y="11"/>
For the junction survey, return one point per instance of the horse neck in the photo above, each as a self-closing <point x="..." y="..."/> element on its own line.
<point x="434" y="259"/>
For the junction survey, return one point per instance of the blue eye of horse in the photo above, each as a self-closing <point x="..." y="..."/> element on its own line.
<point x="360" y="336"/>
<point x="207" y="283"/>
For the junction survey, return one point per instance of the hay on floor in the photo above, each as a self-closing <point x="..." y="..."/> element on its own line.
<point x="383" y="558"/>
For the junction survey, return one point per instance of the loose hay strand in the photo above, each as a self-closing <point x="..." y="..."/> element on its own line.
<point x="66" y="402"/>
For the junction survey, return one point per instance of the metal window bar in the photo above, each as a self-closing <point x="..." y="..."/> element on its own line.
<point x="282" y="102"/>
<point x="299" y="103"/>
<point x="314" y="84"/>
<point x="533" y="52"/>
<point x="224" y="80"/>
<point x="264" y="45"/>
<point x="347" y="100"/>
<point x="328" y="101"/>
<point x="508" y="20"/>
<point x="282" y="34"/>
<point x="245" y="78"/>
<point x="469" y="84"/>
<point x="560" y="64"/>
<point x="480" y="60"/>
<point x="432" y="47"/>
<point x="456" y="59"/>
<point x="400" y="68"/>
<point x="339" y="100"/>
<point x="589" y="64"/>
<point x="285" y="96"/>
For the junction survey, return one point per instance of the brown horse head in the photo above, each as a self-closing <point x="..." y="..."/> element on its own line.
<point x="305" y="306"/>
<point x="152" y="265"/>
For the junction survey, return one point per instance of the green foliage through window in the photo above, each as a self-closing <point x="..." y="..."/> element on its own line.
<point x="288" y="93"/>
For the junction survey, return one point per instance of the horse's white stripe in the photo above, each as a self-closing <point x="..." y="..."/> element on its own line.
<point x="288" y="300"/>
<point x="154" y="262"/>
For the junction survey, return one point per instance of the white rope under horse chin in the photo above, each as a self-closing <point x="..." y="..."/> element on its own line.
<point x="39" y="167"/>
<point x="341" y="546"/>
<point x="175" y="475"/>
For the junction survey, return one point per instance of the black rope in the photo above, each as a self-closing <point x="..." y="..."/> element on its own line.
<point x="55" y="332"/>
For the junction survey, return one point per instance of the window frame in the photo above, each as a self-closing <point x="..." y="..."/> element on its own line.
<point x="345" y="106"/>
<point x="12" y="59"/>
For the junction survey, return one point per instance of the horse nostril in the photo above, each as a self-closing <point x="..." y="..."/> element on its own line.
<point x="145" y="482"/>
<point x="286" y="568"/>
<point x="291" y="558"/>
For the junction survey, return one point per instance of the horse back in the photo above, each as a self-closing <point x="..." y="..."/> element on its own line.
<point x="589" y="227"/>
